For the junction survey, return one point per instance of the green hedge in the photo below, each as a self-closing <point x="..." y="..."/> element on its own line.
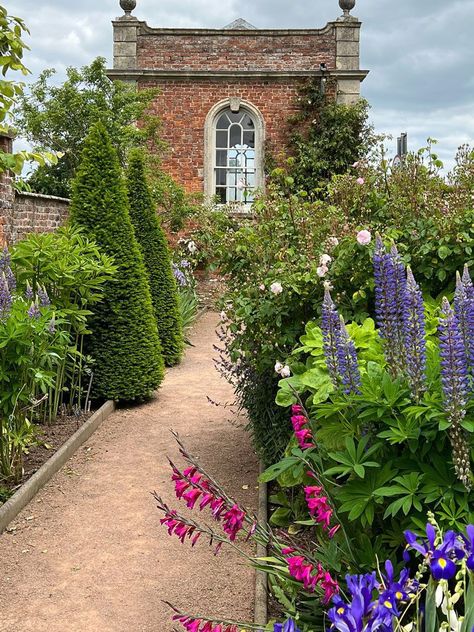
<point x="124" y="340"/>
<point x="156" y="255"/>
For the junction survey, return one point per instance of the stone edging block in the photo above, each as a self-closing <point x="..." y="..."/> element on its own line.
<point x="28" y="491"/>
<point x="261" y="580"/>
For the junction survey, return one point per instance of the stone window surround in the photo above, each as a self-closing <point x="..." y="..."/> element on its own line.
<point x="235" y="104"/>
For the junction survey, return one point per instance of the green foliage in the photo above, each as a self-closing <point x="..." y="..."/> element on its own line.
<point x="431" y="219"/>
<point x="56" y="278"/>
<point x="156" y="255"/>
<point x="124" y="340"/>
<point x="12" y="48"/>
<point x="385" y="459"/>
<point x="327" y="138"/>
<point x="57" y="118"/>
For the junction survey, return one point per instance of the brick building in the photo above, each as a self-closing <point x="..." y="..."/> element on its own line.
<point x="226" y="94"/>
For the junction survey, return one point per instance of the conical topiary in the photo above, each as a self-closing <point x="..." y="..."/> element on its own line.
<point x="156" y="255"/>
<point x="124" y="340"/>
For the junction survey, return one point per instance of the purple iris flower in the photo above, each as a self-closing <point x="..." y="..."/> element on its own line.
<point x="440" y="557"/>
<point x="289" y="626"/>
<point x="395" y="591"/>
<point x="352" y="617"/>
<point x="469" y="541"/>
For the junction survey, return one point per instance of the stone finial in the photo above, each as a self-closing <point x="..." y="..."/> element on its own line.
<point x="128" y="6"/>
<point x="347" y="6"/>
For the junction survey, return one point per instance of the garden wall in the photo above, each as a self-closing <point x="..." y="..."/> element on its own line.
<point x="22" y="213"/>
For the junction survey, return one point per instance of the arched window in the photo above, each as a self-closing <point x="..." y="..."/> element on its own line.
<point x="234" y="155"/>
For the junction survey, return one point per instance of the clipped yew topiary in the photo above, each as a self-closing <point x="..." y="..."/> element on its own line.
<point x="156" y="255"/>
<point x="124" y="340"/>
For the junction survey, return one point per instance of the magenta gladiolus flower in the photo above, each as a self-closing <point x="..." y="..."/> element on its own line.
<point x="303" y="433"/>
<point x="330" y="587"/>
<point x="233" y="522"/>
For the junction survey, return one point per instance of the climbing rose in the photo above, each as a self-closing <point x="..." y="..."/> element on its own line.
<point x="276" y="288"/>
<point x="322" y="271"/>
<point x="364" y="237"/>
<point x="360" y="181"/>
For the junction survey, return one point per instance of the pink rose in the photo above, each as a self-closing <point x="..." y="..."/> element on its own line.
<point x="360" y="181"/>
<point x="364" y="237"/>
<point x="322" y="271"/>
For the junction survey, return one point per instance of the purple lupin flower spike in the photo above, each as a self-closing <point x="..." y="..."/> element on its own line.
<point x="43" y="297"/>
<point x="29" y="295"/>
<point x="347" y="362"/>
<point x="414" y="335"/>
<point x="455" y="388"/>
<point x="6" y="298"/>
<point x="389" y="291"/>
<point x="466" y="316"/>
<point x="331" y="328"/>
<point x="5" y="263"/>
<point x="34" y="311"/>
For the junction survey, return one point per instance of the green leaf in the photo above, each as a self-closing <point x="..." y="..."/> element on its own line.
<point x="274" y="471"/>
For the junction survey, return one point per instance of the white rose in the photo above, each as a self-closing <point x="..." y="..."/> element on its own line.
<point x="286" y="371"/>
<point x="324" y="260"/>
<point x="278" y="367"/>
<point x="322" y="271"/>
<point x="276" y="288"/>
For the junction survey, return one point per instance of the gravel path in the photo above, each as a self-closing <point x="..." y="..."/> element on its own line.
<point x="88" y="554"/>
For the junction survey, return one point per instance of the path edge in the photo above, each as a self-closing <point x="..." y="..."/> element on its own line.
<point x="261" y="579"/>
<point x="26" y="493"/>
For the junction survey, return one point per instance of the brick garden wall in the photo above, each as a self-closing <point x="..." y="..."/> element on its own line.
<point x="23" y="213"/>
<point x="35" y="213"/>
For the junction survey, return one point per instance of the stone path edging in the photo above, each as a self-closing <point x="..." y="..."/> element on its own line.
<point x="261" y="580"/>
<point x="28" y="491"/>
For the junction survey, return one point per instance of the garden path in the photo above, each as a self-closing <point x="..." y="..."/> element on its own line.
<point x="88" y="554"/>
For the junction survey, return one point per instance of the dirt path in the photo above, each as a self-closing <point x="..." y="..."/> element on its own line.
<point x="88" y="554"/>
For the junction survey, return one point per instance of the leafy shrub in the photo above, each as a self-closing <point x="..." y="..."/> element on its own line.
<point x="394" y="424"/>
<point x="156" y="256"/>
<point x="124" y="340"/>
<point x="292" y="245"/>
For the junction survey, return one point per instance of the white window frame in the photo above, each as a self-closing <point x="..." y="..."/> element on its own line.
<point x="235" y="105"/>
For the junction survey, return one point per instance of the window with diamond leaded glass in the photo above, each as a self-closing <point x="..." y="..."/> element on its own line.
<point x="234" y="166"/>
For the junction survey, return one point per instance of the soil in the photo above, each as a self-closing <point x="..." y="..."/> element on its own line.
<point x="50" y="439"/>
<point x="89" y="553"/>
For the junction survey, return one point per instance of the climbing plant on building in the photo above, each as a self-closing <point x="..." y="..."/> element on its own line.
<point x="156" y="255"/>
<point x="124" y="339"/>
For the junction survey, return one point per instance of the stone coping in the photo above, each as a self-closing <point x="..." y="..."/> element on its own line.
<point x="41" y="196"/>
<point x="127" y="74"/>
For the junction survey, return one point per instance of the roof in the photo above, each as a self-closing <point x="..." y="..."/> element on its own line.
<point x="240" y="25"/>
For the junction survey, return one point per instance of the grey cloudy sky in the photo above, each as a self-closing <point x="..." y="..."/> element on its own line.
<point x="420" y="52"/>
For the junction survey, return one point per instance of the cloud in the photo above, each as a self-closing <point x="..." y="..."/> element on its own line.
<point x="420" y="54"/>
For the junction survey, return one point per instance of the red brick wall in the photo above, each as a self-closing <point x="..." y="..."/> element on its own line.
<point x="184" y="104"/>
<point x="255" y="50"/>
<point x="34" y="213"/>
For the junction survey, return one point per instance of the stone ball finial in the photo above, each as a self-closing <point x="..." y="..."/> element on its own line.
<point x="128" y="6"/>
<point x="347" y="6"/>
